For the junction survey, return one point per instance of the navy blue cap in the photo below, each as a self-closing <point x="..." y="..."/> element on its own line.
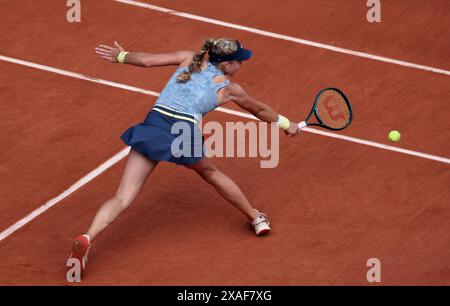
<point x="241" y="54"/>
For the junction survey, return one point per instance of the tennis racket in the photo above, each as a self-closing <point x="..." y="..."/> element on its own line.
<point x="332" y="109"/>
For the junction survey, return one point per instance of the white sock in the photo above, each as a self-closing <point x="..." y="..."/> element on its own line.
<point x="258" y="214"/>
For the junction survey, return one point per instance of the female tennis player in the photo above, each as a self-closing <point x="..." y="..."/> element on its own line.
<point x="200" y="84"/>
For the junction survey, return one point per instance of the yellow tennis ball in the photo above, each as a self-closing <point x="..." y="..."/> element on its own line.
<point x="394" y="136"/>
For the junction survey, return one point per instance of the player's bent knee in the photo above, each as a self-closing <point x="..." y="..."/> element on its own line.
<point x="128" y="190"/>
<point x="208" y="174"/>
<point x="124" y="200"/>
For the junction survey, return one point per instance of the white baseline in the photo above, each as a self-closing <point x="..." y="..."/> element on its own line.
<point x="286" y="37"/>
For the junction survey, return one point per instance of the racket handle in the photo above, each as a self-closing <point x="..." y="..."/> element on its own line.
<point x="302" y="125"/>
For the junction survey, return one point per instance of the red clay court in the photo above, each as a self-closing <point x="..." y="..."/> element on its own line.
<point x="334" y="203"/>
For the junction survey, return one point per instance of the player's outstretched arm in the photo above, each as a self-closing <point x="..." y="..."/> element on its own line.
<point x="117" y="54"/>
<point x="234" y="92"/>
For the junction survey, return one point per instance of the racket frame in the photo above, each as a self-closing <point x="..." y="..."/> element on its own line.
<point x="305" y="123"/>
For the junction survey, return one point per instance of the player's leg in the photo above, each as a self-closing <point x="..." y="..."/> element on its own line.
<point x="232" y="193"/>
<point x="137" y="170"/>
<point x="226" y="187"/>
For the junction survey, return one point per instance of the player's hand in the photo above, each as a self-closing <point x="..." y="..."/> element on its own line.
<point x="293" y="130"/>
<point x="109" y="53"/>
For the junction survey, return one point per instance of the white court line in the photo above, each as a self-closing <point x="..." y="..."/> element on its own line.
<point x="285" y="37"/>
<point x="83" y="181"/>
<point x="116" y="158"/>
<point x="76" y="75"/>
<point x="221" y="109"/>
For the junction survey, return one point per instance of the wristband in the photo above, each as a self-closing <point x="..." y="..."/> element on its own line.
<point x="121" y="57"/>
<point x="283" y="122"/>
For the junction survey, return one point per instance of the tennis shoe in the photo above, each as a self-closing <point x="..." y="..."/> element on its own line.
<point x="261" y="224"/>
<point x="80" y="251"/>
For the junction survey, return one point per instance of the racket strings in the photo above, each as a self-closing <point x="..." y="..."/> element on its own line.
<point x="333" y="110"/>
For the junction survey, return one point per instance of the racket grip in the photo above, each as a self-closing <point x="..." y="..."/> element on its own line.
<point x="302" y="125"/>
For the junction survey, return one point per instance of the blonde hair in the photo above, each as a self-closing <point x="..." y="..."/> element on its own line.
<point x="221" y="46"/>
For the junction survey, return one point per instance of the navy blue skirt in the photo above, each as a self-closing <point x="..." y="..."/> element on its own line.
<point x="163" y="136"/>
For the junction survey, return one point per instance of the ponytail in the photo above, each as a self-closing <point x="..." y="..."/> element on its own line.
<point x="196" y="63"/>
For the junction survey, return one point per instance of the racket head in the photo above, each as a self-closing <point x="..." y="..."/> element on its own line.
<point x="332" y="109"/>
